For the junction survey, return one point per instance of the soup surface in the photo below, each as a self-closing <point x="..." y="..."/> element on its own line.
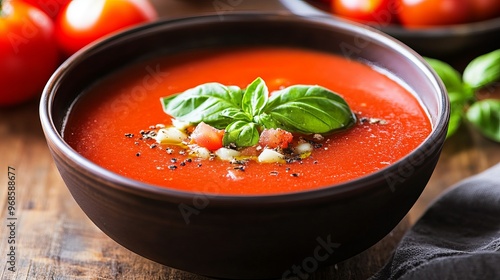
<point x="109" y="124"/>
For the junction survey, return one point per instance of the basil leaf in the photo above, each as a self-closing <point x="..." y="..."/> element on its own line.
<point x="457" y="105"/>
<point x="483" y="70"/>
<point x="267" y="121"/>
<point x="485" y="116"/>
<point x="241" y="134"/>
<point x="236" y="114"/>
<point x="309" y="109"/>
<point x="459" y="93"/>
<point x="255" y="97"/>
<point x="204" y="103"/>
<point x="450" y="77"/>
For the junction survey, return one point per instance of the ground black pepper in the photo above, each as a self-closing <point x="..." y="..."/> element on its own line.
<point x="240" y="168"/>
<point x="172" y="167"/>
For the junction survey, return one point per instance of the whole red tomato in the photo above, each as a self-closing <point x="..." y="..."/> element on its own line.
<point x="28" y="52"/>
<point x="50" y="7"/>
<point x="380" y="12"/>
<point x="426" y="13"/>
<point x="84" y="21"/>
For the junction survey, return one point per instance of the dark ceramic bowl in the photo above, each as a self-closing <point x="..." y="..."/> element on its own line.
<point x="439" y="41"/>
<point x="245" y="237"/>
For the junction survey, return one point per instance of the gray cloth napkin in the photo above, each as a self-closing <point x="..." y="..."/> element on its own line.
<point x="458" y="237"/>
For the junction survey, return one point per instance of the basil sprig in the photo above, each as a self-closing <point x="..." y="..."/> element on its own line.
<point x="483" y="70"/>
<point x="485" y="116"/>
<point x="459" y="94"/>
<point x="479" y="74"/>
<point x="301" y="108"/>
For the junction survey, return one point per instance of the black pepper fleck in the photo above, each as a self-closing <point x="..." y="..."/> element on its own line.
<point x="153" y="146"/>
<point x="317" y="145"/>
<point x="295" y="174"/>
<point x="199" y="164"/>
<point x="129" y="135"/>
<point x="240" y="168"/>
<point x="274" y="173"/>
<point x="172" y="167"/>
<point x="137" y="154"/>
<point x="182" y="163"/>
<point x="173" y="160"/>
<point x="238" y="161"/>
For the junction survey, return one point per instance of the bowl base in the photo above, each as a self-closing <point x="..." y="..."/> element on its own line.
<point x="359" y="267"/>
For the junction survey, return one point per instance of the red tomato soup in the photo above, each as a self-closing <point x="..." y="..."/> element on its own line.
<point x="105" y="124"/>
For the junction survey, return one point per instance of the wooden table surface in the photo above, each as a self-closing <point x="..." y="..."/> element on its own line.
<point x="55" y="240"/>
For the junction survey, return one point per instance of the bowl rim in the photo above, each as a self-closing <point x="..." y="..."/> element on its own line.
<point x="462" y="29"/>
<point x="399" y="30"/>
<point x="351" y="187"/>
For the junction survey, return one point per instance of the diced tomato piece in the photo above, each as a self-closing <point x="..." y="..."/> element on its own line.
<point x="207" y="136"/>
<point x="274" y="138"/>
<point x="250" y="151"/>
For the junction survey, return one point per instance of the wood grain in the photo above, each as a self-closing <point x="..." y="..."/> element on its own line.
<point x="55" y="240"/>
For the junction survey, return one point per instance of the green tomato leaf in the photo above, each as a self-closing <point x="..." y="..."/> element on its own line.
<point x="309" y="109"/>
<point x="207" y="103"/>
<point x="241" y="134"/>
<point x="450" y="77"/>
<point x="485" y="116"/>
<point x="255" y="97"/>
<point x="483" y="70"/>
